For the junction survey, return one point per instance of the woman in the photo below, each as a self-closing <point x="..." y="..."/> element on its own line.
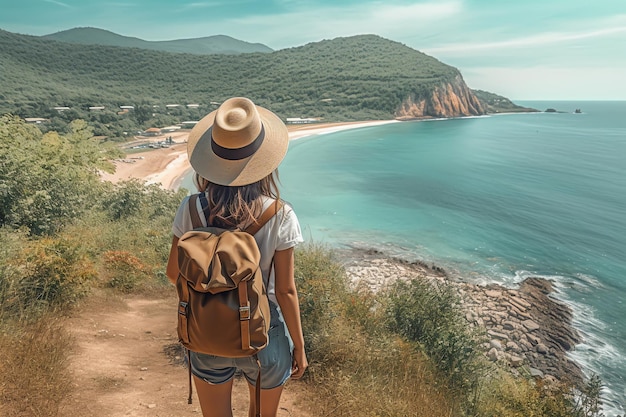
<point x="235" y="152"/>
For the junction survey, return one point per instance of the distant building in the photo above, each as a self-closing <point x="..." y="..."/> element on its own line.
<point x="61" y="109"/>
<point x="127" y="107"/>
<point x="193" y="106"/>
<point x="169" y="129"/>
<point x="153" y="131"/>
<point x="170" y="106"/>
<point x="299" y="120"/>
<point x="188" y="124"/>
<point x="96" y="108"/>
<point x="35" y="120"/>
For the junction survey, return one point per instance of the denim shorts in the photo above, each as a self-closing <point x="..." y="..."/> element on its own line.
<point x="275" y="358"/>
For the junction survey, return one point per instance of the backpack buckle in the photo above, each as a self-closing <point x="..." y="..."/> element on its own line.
<point x="182" y="308"/>
<point x="244" y="313"/>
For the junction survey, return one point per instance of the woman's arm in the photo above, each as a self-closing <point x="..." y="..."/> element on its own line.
<point x="287" y="297"/>
<point x="172" y="263"/>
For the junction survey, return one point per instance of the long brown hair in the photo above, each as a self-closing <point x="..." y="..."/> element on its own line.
<point x="239" y="205"/>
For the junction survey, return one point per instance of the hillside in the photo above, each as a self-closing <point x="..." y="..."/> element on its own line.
<point x="495" y="103"/>
<point x="356" y="78"/>
<point x="218" y="44"/>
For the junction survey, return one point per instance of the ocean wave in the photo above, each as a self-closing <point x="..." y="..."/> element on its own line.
<point x="595" y="354"/>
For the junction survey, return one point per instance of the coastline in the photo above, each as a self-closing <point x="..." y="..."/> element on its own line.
<point x="168" y="166"/>
<point x="526" y="330"/>
<point x="520" y="335"/>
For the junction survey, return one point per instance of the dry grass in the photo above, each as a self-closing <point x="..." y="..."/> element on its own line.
<point x="357" y="367"/>
<point x="353" y="375"/>
<point x="33" y="365"/>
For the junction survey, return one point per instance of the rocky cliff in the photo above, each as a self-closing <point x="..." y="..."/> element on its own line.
<point x="449" y="99"/>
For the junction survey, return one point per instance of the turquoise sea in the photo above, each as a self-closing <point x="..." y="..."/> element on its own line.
<point x="492" y="199"/>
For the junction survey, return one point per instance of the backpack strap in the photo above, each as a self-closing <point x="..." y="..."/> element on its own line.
<point x="204" y="203"/>
<point x="257" y="389"/>
<point x="252" y="229"/>
<point x="244" y="303"/>
<point x="195" y="223"/>
<point x="190" y="398"/>
<point x="244" y="315"/>
<point x="193" y="211"/>
<point x="265" y="217"/>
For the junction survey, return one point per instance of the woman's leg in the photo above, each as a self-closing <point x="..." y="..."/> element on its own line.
<point x="215" y="399"/>
<point x="270" y="398"/>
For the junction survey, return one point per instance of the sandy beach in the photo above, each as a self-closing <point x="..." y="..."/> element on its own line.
<point x="167" y="166"/>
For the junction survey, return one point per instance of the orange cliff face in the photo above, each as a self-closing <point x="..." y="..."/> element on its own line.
<point x="452" y="99"/>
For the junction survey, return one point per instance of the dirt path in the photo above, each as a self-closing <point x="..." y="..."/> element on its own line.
<point x="126" y="363"/>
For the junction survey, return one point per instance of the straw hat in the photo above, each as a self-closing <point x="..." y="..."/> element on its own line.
<point x="237" y="144"/>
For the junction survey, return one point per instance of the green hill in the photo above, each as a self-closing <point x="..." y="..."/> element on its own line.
<point x="219" y="44"/>
<point x="495" y="103"/>
<point x="356" y="78"/>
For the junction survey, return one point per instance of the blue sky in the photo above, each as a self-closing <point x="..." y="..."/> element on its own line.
<point x="522" y="49"/>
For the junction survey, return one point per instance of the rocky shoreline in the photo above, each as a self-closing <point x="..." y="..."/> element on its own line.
<point x="527" y="330"/>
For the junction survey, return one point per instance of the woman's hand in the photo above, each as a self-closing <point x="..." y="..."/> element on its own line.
<point x="299" y="364"/>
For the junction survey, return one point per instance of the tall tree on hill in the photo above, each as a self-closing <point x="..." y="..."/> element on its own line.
<point x="143" y="113"/>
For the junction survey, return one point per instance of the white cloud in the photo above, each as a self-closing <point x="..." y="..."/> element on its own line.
<point x="543" y="83"/>
<point x="543" y="39"/>
<point x="202" y="5"/>
<point x="58" y="3"/>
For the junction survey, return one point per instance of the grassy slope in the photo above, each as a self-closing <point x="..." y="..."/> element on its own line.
<point x="365" y="77"/>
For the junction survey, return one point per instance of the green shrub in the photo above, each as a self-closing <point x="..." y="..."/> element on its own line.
<point x="322" y="288"/>
<point x="11" y="243"/>
<point x="506" y="396"/>
<point x="47" y="273"/>
<point x="353" y="359"/>
<point x="125" y="200"/>
<point x="47" y="181"/>
<point x="429" y="313"/>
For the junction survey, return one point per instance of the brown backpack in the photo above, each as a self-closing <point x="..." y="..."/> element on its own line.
<point x="223" y="308"/>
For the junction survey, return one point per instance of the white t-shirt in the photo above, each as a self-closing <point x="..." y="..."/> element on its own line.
<point x="281" y="232"/>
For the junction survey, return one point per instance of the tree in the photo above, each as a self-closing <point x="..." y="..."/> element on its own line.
<point x="143" y="113"/>
<point x="48" y="180"/>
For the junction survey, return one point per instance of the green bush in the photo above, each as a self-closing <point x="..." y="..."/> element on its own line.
<point x="47" y="181"/>
<point x="11" y="243"/>
<point x="46" y="274"/>
<point x="125" y="200"/>
<point x="352" y="358"/>
<point x="429" y="313"/>
<point x="506" y="396"/>
<point x="321" y="288"/>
